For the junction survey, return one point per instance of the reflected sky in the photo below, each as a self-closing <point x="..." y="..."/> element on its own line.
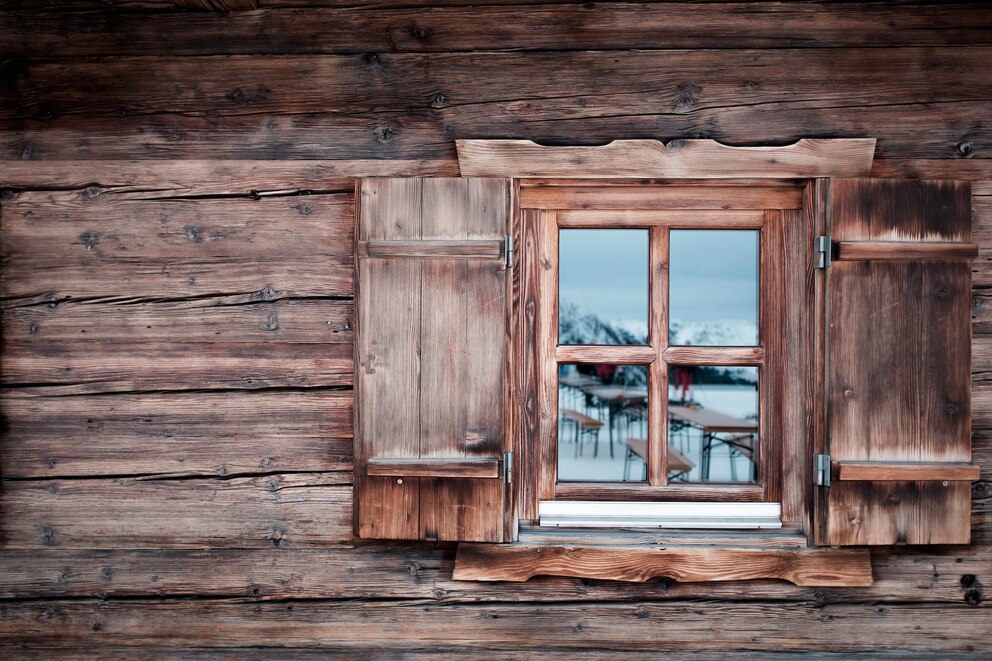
<point x="714" y="274"/>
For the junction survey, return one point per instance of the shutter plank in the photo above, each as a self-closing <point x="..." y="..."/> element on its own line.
<point x="388" y="367"/>
<point x="898" y="361"/>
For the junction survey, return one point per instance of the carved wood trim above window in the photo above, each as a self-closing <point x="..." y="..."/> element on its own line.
<point x="677" y="159"/>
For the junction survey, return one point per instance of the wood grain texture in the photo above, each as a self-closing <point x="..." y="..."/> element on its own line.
<point x="688" y="159"/>
<point x="161" y="178"/>
<point x="714" y="355"/>
<point x="900" y="250"/>
<point x="83" y="367"/>
<point x="425" y="572"/>
<point x="659" y="197"/>
<point x="278" y="510"/>
<point x="898" y="362"/>
<point x="226" y="319"/>
<point x="432" y="249"/>
<point x="600" y="354"/>
<point x="754" y="627"/>
<point x="711" y="219"/>
<point x="433" y="467"/>
<point x="431" y="378"/>
<point x="894" y="472"/>
<point x="443" y="25"/>
<point x="174" y="434"/>
<point x="513" y="562"/>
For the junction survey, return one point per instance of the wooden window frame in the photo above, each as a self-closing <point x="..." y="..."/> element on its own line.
<point x="543" y="206"/>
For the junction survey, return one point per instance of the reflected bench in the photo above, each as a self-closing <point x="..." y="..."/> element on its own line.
<point x="678" y="464"/>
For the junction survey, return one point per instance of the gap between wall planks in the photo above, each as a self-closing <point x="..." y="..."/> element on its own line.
<point x="683" y="159"/>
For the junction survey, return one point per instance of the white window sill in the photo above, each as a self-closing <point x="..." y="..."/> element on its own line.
<point x="684" y="516"/>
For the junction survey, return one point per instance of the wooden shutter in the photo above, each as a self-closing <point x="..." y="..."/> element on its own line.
<point x="431" y="360"/>
<point x="898" y="362"/>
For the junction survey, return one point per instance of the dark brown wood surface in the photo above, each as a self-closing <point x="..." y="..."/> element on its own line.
<point x="120" y="123"/>
<point x="898" y="350"/>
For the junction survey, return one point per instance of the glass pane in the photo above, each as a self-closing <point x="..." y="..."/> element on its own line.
<point x="602" y="423"/>
<point x="713" y="287"/>
<point x="713" y="424"/>
<point x="603" y="287"/>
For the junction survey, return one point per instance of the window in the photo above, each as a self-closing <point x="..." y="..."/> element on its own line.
<point x="660" y="316"/>
<point x="846" y="296"/>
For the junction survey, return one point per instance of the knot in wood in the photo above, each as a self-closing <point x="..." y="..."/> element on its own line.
<point x="855" y="521"/>
<point x="964" y="148"/>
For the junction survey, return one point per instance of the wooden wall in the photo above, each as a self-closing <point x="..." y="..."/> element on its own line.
<point x="177" y="303"/>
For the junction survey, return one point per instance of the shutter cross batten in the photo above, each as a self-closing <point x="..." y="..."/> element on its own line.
<point x="430" y="414"/>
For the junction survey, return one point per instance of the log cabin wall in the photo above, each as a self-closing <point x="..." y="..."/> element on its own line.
<point x="177" y="217"/>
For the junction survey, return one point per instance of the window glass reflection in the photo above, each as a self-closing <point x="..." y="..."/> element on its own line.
<point x="602" y="286"/>
<point x="713" y="287"/>
<point x="602" y="423"/>
<point x="713" y="423"/>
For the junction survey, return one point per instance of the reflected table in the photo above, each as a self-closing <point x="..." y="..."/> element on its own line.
<point x="711" y="423"/>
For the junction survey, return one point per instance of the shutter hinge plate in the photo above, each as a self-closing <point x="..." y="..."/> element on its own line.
<point x="821" y="470"/>
<point x="508" y="467"/>
<point x="508" y="251"/>
<point x="822" y="250"/>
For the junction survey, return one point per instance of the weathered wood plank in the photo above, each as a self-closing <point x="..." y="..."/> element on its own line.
<point x="229" y="319"/>
<point x="291" y="510"/>
<point x="224" y="434"/>
<point x="699" y="159"/>
<point x="74" y="243"/>
<point x="428" y="652"/>
<point x="916" y="102"/>
<point x="257" y="280"/>
<point x="714" y="355"/>
<point x="660" y="197"/>
<point x="176" y="178"/>
<point x="519" y="562"/>
<point x="700" y="626"/>
<point x="83" y="367"/>
<point x="424" y="572"/>
<point x="474" y="467"/>
<point x="85" y="227"/>
<point x="605" y="26"/>
<point x="902" y="250"/>
<point x="679" y="81"/>
<point x="599" y="354"/>
<point x="976" y="170"/>
<point x="888" y="471"/>
<point x="905" y="130"/>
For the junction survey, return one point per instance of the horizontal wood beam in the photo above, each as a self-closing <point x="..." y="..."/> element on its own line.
<point x="903" y="250"/>
<point x="714" y="356"/>
<point x="880" y="471"/>
<point x="483" y="249"/>
<point x="218" y="5"/>
<point x="481" y="467"/>
<point x="517" y="562"/>
<point x="686" y="218"/>
<point x="692" y="159"/>
<point x="660" y="197"/>
<point x="592" y="354"/>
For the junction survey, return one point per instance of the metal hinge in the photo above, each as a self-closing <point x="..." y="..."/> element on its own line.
<point x="508" y="467"/>
<point x="821" y="247"/>
<point x="821" y="470"/>
<point x="508" y="251"/>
